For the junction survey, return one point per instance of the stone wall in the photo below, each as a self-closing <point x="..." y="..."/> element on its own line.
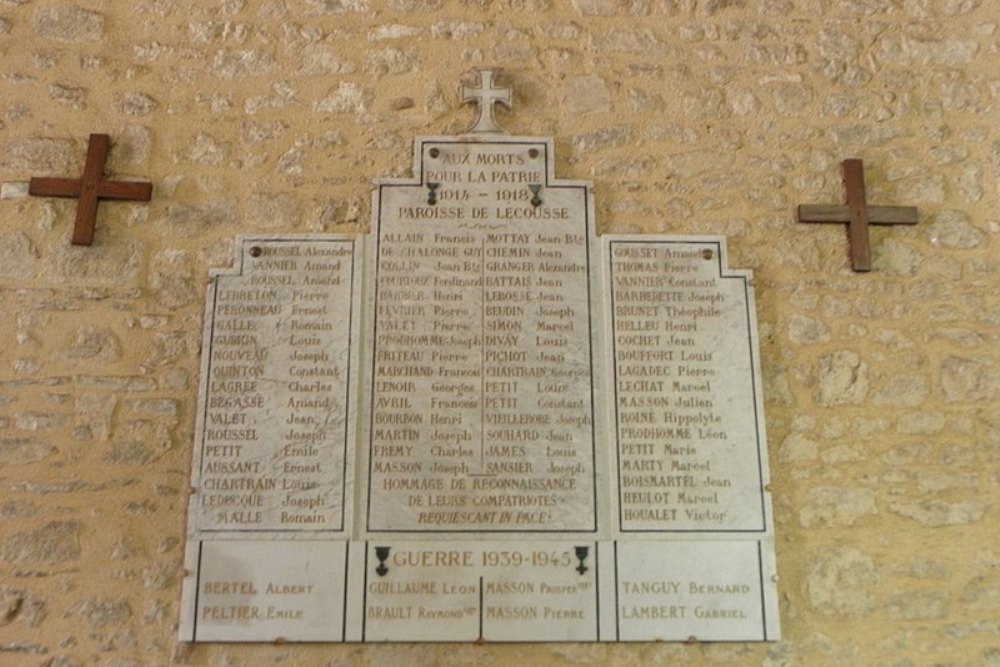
<point x="690" y="116"/>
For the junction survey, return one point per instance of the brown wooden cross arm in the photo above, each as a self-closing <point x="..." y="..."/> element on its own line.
<point x="858" y="215"/>
<point x="90" y="188"/>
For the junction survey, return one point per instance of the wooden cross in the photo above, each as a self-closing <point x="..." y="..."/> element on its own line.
<point x="486" y="95"/>
<point x="89" y="189"/>
<point x="857" y="214"/>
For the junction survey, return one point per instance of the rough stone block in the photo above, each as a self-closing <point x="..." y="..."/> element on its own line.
<point x="935" y="481"/>
<point x="415" y="6"/>
<point x="836" y="506"/>
<point x="922" y="189"/>
<point x="94" y="411"/>
<point x="140" y="442"/>
<point x="637" y="40"/>
<point x="231" y="65"/>
<point x="393" y="31"/>
<point x="347" y="98"/>
<point x="712" y="7"/>
<point x="843" y="454"/>
<point x="798" y="447"/>
<point x="852" y="136"/>
<point x="921" y="423"/>
<point x="18" y="255"/>
<point x="54" y="543"/>
<point x="918" y="605"/>
<point x="207" y="150"/>
<point x="206" y="215"/>
<point x="171" y="275"/>
<point x="95" y="344"/>
<point x="586" y="94"/>
<point x="14" y="190"/>
<point x="843" y="379"/>
<point x="902" y="49"/>
<point x="21" y="605"/>
<point x="692" y="163"/>
<point x="135" y="104"/>
<point x="18" y="509"/>
<point x="68" y="24"/>
<point x="274" y="211"/>
<point x="612" y="7"/>
<point x="897" y="258"/>
<point x="606" y="138"/>
<point x="132" y="146"/>
<point x="39" y="421"/>
<point x="982" y="593"/>
<point x="103" y="264"/>
<point x="102" y="613"/>
<point x="924" y="569"/>
<point x="970" y="183"/>
<point x="456" y="29"/>
<point x="22" y="451"/>
<point x="391" y="61"/>
<point x="937" y="513"/>
<point x="38" y="157"/>
<point x="907" y="391"/>
<point x="951" y="229"/>
<point x="967" y="380"/>
<point x="840" y="582"/>
<point x="322" y="59"/>
<point x="806" y="330"/>
<point x="74" y="97"/>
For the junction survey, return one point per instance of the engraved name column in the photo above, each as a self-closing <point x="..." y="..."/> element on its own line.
<point x="482" y="405"/>
<point x="685" y="395"/>
<point x="274" y="425"/>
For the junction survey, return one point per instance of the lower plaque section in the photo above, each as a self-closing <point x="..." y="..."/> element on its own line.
<point x="490" y="591"/>
<point x="269" y="591"/>
<point x="704" y="591"/>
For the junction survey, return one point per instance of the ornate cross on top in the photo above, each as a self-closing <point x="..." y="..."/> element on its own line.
<point x="89" y="189"/>
<point x="486" y="95"/>
<point x="858" y="214"/>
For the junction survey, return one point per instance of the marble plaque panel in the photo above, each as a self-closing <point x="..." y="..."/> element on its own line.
<point x="480" y="424"/>
<point x="685" y="401"/>
<point x="274" y="422"/>
<point x="268" y="591"/>
<point x="481" y="385"/>
<point x="491" y="591"/>
<point x="695" y="590"/>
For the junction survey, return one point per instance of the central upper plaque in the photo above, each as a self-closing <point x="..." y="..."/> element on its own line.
<point x="481" y="422"/>
<point x="481" y="385"/>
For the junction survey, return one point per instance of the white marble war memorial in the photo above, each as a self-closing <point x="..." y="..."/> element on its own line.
<point x="480" y="422"/>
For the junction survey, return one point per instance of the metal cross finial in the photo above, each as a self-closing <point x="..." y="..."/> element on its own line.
<point x="486" y="95"/>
